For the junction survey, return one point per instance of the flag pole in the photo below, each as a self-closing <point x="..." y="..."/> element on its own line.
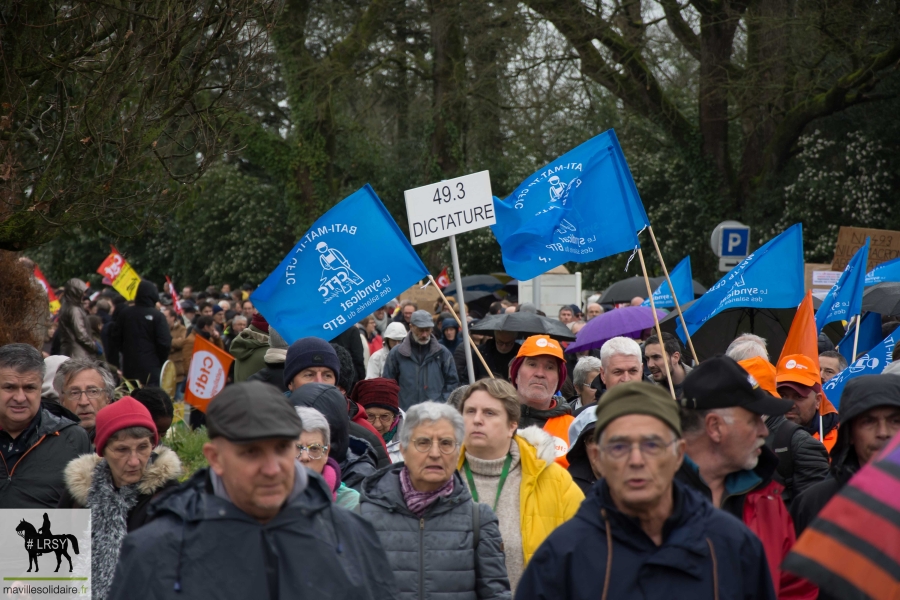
<point x="662" y="345"/>
<point x="672" y="289"/>
<point x="856" y="338"/>
<point x="469" y="340"/>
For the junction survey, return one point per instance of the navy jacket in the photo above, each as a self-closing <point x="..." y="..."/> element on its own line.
<point x="571" y="563"/>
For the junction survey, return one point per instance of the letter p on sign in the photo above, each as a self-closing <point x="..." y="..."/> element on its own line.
<point x="735" y="242"/>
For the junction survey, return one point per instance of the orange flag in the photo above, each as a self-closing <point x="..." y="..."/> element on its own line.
<point x="207" y="374"/>
<point x="803" y="337"/>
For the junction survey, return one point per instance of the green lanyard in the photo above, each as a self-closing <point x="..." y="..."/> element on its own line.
<point x="503" y="475"/>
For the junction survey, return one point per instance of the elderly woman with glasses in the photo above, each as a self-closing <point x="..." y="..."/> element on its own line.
<point x="380" y="398"/>
<point x="118" y="483"/>
<point x="440" y="543"/>
<point x="312" y="452"/>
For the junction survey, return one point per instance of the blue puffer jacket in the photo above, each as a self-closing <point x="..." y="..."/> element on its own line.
<point x="703" y="548"/>
<point x="433" y="558"/>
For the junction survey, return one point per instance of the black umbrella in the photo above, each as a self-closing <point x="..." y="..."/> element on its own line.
<point x="882" y="298"/>
<point x="772" y="324"/>
<point x="626" y="289"/>
<point x="525" y="323"/>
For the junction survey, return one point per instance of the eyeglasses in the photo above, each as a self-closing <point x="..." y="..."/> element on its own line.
<point x="619" y="450"/>
<point x="92" y="393"/>
<point x="445" y="445"/>
<point x="388" y="419"/>
<point x="315" y="451"/>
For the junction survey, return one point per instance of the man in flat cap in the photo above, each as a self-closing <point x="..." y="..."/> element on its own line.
<point x="723" y="417"/>
<point x="639" y="533"/>
<point x="256" y="523"/>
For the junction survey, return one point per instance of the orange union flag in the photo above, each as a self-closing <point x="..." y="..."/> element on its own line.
<point x="207" y="375"/>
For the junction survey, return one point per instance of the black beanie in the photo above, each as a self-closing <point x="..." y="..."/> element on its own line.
<point x="310" y="352"/>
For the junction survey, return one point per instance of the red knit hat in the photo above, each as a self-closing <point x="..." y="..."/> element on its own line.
<point x="121" y="414"/>
<point x="260" y="323"/>
<point x="378" y="392"/>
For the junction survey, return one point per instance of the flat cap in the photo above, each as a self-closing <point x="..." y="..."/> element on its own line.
<point x="636" y="398"/>
<point x="251" y="411"/>
<point x="421" y="318"/>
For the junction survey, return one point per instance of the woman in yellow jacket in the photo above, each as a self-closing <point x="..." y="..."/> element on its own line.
<point x="513" y="472"/>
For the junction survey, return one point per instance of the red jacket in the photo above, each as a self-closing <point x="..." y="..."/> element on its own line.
<point x="766" y="515"/>
<point x="361" y="418"/>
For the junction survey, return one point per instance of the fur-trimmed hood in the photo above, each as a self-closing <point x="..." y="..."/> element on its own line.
<point x="163" y="467"/>
<point x="542" y="442"/>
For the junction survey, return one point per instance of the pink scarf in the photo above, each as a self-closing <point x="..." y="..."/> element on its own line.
<point x="332" y="475"/>
<point x="417" y="501"/>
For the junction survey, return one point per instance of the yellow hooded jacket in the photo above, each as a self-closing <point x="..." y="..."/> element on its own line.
<point x="548" y="496"/>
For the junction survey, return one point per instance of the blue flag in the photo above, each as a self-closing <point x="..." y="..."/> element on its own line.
<point x="771" y="277"/>
<point x="684" y="287"/>
<point x="581" y="207"/>
<point x="352" y="260"/>
<point x="872" y="363"/>
<point x="887" y="271"/>
<point x="845" y="298"/>
<point x="869" y="336"/>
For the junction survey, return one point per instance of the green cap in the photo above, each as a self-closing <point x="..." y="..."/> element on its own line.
<point x="636" y="398"/>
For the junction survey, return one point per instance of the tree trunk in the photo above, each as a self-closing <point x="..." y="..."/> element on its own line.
<point x="449" y="72"/>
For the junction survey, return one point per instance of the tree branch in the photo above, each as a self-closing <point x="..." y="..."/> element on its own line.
<point x="680" y="28"/>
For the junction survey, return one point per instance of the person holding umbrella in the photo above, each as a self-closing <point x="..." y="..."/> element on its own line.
<point x="497" y="351"/>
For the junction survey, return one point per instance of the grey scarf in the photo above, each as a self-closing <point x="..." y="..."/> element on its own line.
<point x="109" y="519"/>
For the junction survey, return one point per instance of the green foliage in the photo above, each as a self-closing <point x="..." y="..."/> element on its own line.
<point x="188" y="445"/>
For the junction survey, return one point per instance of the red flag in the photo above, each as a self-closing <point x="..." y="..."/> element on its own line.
<point x="51" y="295"/>
<point x="207" y="373"/>
<point x="175" y="302"/>
<point x="803" y="337"/>
<point x="442" y="280"/>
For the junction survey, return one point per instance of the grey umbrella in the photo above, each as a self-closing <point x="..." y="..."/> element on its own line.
<point x="626" y="289"/>
<point x="882" y="298"/>
<point x="525" y="323"/>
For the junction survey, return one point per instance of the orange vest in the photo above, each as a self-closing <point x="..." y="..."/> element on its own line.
<point x="558" y="428"/>
<point x="825" y="408"/>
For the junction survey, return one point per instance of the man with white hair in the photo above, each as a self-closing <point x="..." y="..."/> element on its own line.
<point x="747" y="345"/>
<point x="620" y="362"/>
<point x="593" y="310"/>
<point x="727" y="461"/>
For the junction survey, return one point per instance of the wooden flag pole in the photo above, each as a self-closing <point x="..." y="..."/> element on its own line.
<point x="856" y="338"/>
<point x="453" y="312"/>
<point x="672" y="289"/>
<point x="662" y="345"/>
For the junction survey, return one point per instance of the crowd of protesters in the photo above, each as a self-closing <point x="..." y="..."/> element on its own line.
<point x="367" y="467"/>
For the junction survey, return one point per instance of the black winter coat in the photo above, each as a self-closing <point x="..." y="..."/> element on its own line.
<point x="571" y="564"/>
<point x="351" y="342"/>
<point x="36" y="480"/>
<point x="272" y="373"/>
<point x="810" y="459"/>
<point x="499" y="363"/>
<point x="142" y="336"/>
<point x="200" y="546"/>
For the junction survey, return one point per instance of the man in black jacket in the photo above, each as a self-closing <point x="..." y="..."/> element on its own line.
<point x="35" y="444"/>
<point x="256" y="524"/>
<point x="141" y="335"/>
<point x="870" y="417"/>
<point x="498" y="351"/>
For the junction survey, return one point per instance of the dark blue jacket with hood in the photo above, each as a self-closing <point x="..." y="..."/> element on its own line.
<point x="141" y="334"/>
<point x="604" y="554"/>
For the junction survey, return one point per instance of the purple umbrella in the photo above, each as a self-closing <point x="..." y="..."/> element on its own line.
<point x="628" y="321"/>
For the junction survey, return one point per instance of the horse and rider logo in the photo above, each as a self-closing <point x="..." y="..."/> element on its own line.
<point x="44" y="542"/>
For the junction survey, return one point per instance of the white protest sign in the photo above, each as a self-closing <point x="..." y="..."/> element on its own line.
<point x="450" y="207"/>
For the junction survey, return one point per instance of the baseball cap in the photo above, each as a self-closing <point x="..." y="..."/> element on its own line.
<point x="421" y="318"/>
<point x="722" y="383"/>
<point x="795" y="369"/>
<point x="538" y="345"/>
<point x="251" y="411"/>
<point x="763" y="372"/>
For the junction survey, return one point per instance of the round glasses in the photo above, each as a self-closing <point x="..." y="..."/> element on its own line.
<point x="314" y="451"/>
<point x="386" y="419"/>
<point x="445" y="445"/>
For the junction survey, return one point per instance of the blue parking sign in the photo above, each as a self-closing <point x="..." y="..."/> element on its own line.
<point x="735" y="241"/>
